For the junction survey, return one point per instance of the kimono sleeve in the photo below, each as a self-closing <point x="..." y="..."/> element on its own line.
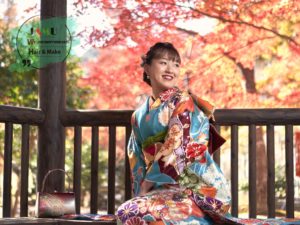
<point x="201" y="174"/>
<point x="136" y="159"/>
<point x="211" y="177"/>
<point x="189" y="126"/>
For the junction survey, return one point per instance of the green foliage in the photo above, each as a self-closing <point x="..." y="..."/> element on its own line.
<point x="102" y="172"/>
<point x="76" y="98"/>
<point x="15" y="88"/>
<point x="20" y="88"/>
<point x="280" y="182"/>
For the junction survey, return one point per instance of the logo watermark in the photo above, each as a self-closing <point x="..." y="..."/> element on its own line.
<point x="41" y="42"/>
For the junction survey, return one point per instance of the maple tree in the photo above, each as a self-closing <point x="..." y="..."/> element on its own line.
<point x="248" y="60"/>
<point x="247" y="32"/>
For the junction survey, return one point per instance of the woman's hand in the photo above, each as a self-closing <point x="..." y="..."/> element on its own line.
<point x="146" y="186"/>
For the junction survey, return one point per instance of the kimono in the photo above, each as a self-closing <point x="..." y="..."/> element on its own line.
<point x="174" y="178"/>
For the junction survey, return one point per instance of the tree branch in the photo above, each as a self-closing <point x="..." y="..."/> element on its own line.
<point x="225" y="54"/>
<point x="226" y="20"/>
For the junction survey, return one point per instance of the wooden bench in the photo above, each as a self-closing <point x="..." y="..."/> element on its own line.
<point x="41" y="221"/>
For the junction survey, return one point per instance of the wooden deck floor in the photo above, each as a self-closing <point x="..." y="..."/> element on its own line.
<point x="42" y="221"/>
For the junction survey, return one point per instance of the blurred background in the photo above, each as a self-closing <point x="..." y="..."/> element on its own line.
<point x="235" y="53"/>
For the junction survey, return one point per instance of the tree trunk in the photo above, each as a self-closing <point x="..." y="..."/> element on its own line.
<point x="261" y="168"/>
<point x="248" y="75"/>
<point x="16" y="198"/>
<point x="261" y="156"/>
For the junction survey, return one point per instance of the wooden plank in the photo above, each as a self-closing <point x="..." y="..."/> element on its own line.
<point x="271" y="171"/>
<point x="289" y="171"/>
<point x="27" y="221"/>
<point x="252" y="171"/>
<point x="24" y="170"/>
<point x="94" y="169"/>
<point x="8" y="140"/>
<point x="50" y="221"/>
<point x="52" y="86"/>
<point x="21" y="115"/>
<point x="77" y="166"/>
<point x="223" y="117"/>
<point x="259" y="116"/>
<point x="127" y="167"/>
<point x="216" y="155"/>
<point x="234" y="170"/>
<point x="111" y="170"/>
<point x="97" y="117"/>
<point x="86" y="222"/>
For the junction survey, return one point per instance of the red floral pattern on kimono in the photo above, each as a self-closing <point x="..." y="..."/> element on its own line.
<point x="174" y="178"/>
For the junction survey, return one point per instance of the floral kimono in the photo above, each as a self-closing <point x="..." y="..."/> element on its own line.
<point x="174" y="178"/>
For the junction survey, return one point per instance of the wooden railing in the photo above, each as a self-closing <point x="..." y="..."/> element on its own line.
<point x="269" y="118"/>
<point x="96" y="119"/>
<point x="113" y="119"/>
<point x="26" y="117"/>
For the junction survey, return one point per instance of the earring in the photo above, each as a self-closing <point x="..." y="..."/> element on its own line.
<point x="148" y="77"/>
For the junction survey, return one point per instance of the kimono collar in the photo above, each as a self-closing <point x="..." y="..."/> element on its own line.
<point x="164" y="96"/>
<point x="205" y="106"/>
<point x="167" y="94"/>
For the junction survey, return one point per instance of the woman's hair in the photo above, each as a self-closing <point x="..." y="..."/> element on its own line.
<point x="157" y="51"/>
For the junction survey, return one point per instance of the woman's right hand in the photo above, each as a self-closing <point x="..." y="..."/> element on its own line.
<point x="146" y="186"/>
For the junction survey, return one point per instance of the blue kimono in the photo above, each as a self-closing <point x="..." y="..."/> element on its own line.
<point x="174" y="178"/>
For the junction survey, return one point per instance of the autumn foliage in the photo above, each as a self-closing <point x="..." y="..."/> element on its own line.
<point x="249" y="59"/>
<point x="247" y="56"/>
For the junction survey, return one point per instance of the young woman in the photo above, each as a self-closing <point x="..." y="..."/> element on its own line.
<point x="174" y="178"/>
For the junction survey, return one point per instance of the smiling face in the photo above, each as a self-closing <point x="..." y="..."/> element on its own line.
<point x="163" y="73"/>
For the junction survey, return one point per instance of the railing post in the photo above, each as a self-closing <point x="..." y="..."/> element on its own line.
<point x="112" y="170"/>
<point x="24" y="170"/>
<point x="94" y="169"/>
<point x="234" y="169"/>
<point x="271" y="171"/>
<point x="77" y="166"/>
<point x="252" y="171"/>
<point x="8" y="145"/>
<point x="289" y="171"/>
<point x="51" y="145"/>
<point x="128" y="189"/>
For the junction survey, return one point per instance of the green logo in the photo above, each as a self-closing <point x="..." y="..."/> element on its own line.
<point x="40" y="43"/>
